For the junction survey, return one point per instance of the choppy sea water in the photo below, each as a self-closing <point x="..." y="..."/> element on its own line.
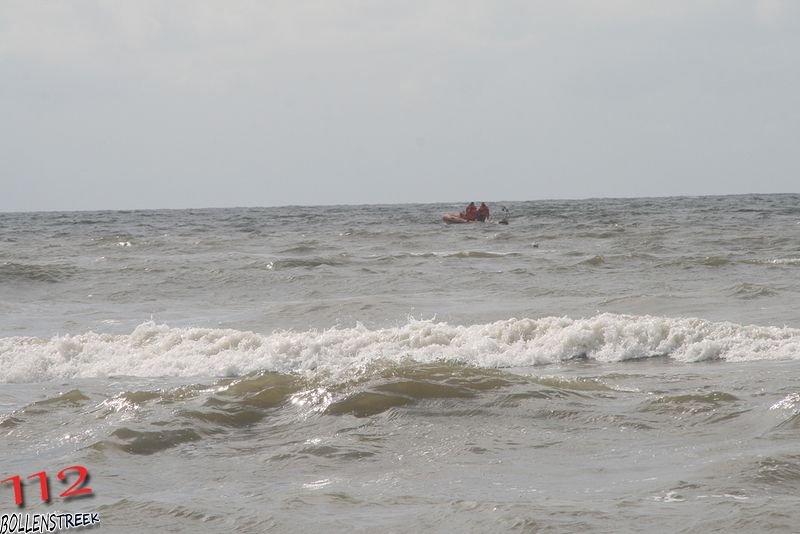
<point x="621" y="365"/>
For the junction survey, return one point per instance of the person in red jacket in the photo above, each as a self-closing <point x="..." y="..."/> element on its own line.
<point x="483" y="212"/>
<point x="472" y="212"/>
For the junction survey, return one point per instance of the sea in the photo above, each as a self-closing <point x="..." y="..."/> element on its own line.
<point x="599" y="365"/>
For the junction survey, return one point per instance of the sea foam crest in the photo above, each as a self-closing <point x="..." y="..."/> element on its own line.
<point x="153" y="350"/>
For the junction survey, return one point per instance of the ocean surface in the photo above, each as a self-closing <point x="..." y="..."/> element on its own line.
<point x="615" y="365"/>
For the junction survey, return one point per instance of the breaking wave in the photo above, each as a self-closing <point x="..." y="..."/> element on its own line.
<point x="157" y="350"/>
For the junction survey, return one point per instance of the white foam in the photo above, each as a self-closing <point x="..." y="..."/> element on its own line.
<point x="776" y="261"/>
<point x="153" y="350"/>
<point x="785" y="261"/>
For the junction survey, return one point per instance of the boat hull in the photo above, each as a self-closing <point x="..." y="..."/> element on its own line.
<point x="450" y="218"/>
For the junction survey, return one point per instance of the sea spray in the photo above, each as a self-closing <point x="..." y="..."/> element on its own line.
<point x="156" y="350"/>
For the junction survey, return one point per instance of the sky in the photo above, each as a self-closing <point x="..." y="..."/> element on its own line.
<point x="135" y="104"/>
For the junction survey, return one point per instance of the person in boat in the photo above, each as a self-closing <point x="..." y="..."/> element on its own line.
<point x="483" y="212"/>
<point x="472" y="212"/>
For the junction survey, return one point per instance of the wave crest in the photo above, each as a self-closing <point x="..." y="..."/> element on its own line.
<point x="153" y="350"/>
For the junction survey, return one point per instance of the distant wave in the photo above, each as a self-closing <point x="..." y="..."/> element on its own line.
<point x="16" y="272"/>
<point x="477" y="254"/>
<point x="311" y="263"/>
<point x="593" y="261"/>
<point x="301" y="248"/>
<point x="462" y="254"/>
<point x="777" y="261"/>
<point x="751" y="291"/>
<point x="154" y="350"/>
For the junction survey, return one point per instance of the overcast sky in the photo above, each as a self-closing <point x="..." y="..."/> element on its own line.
<point x="193" y="103"/>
